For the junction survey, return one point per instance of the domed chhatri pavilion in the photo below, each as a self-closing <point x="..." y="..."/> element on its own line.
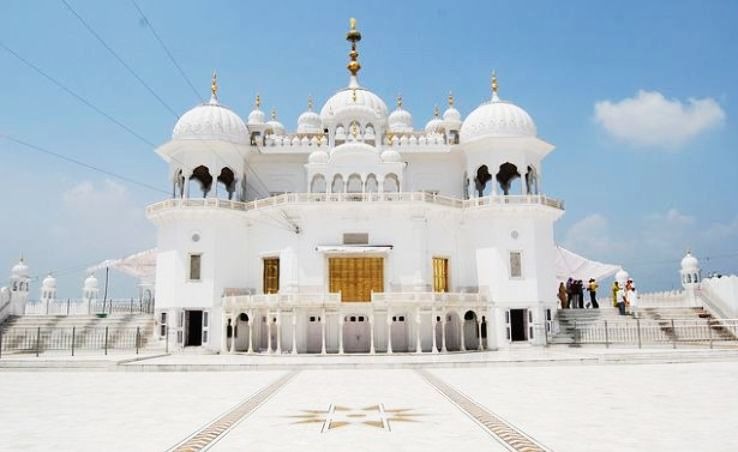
<point x="357" y="232"/>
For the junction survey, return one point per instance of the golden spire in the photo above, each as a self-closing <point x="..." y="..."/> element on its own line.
<point x="353" y="36"/>
<point x="450" y="99"/>
<point x="399" y="101"/>
<point x="274" y="114"/>
<point x="257" y="102"/>
<point x="214" y="85"/>
<point x="494" y="83"/>
<point x="436" y="112"/>
<point x="310" y="103"/>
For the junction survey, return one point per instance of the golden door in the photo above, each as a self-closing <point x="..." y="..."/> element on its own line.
<point x="356" y="277"/>
<point x="271" y="275"/>
<point x="440" y="274"/>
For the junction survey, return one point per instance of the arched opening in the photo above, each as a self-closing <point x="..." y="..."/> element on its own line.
<point x="179" y="184"/>
<point x="398" y="330"/>
<point x="508" y="174"/>
<point x="228" y="180"/>
<point x="241" y="332"/>
<point x="318" y="184"/>
<point x="337" y="185"/>
<point x="202" y="175"/>
<point x="354" y="184"/>
<point x="471" y="331"/>
<point x="481" y="181"/>
<point x="439" y="333"/>
<point x="356" y="333"/>
<point x="371" y="184"/>
<point x="453" y="332"/>
<point x="531" y="181"/>
<point x="391" y="183"/>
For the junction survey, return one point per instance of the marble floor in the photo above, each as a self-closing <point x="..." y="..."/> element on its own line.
<point x="649" y="407"/>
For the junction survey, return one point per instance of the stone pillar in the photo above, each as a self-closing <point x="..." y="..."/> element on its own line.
<point x="294" y="331"/>
<point x="269" y="331"/>
<point x="322" y="333"/>
<point x="418" y="344"/>
<point x="340" y="333"/>
<point x="279" y="332"/>
<point x="251" y="332"/>
<point x="224" y="336"/>
<point x="479" y="333"/>
<point x="443" y="333"/>
<point x="233" y="334"/>
<point x="463" y="345"/>
<point x="434" y="326"/>
<point x="371" y="334"/>
<point x="389" y="332"/>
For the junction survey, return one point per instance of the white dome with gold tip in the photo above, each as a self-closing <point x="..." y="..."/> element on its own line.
<point x="309" y="121"/>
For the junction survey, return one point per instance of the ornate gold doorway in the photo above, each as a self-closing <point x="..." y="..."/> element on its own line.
<point x="356" y="277"/>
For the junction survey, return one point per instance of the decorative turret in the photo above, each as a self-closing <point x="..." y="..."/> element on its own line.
<point x="48" y="289"/>
<point x="20" y="281"/>
<point x="690" y="271"/>
<point x="452" y="119"/>
<point x="90" y="290"/>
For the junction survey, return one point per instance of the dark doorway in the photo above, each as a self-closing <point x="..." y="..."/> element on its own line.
<point x="193" y="321"/>
<point x="517" y="325"/>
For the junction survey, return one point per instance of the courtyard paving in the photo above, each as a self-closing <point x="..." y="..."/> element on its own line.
<point x="543" y="405"/>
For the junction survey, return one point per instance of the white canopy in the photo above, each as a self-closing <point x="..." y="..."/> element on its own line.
<point x="571" y="265"/>
<point x="141" y="265"/>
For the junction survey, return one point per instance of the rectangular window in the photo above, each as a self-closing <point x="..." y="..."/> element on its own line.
<point x="440" y="274"/>
<point x="516" y="264"/>
<point x="195" y="264"/>
<point x="163" y="328"/>
<point x="271" y="275"/>
<point x="356" y="238"/>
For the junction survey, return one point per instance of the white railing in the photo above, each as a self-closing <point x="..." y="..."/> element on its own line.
<point x="84" y="307"/>
<point x="232" y="303"/>
<point x="429" y="297"/>
<point x="712" y="299"/>
<point x="671" y="298"/>
<point x="308" y="198"/>
<point x="667" y="331"/>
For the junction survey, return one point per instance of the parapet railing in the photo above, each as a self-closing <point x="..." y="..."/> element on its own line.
<point x="88" y="307"/>
<point x="640" y="332"/>
<point x="308" y="198"/>
<point x="429" y="297"/>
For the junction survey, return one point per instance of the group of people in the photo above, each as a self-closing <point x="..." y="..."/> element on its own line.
<point x="571" y="294"/>
<point x="625" y="298"/>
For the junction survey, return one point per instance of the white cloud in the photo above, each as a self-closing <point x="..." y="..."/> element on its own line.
<point x="651" y="120"/>
<point x="589" y="236"/>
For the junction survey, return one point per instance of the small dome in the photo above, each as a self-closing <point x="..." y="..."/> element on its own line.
<point x="690" y="264"/>
<point x="91" y="282"/>
<point x="256" y="116"/>
<point x="211" y="121"/>
<point x="435" y="125"/>
<point x="400" y="120"/>
<point x="318" y="156"/>
<point x="497" y="119"/>
<point x="391" y="156"/>
<point x="275" y="126"/>
<point x="451" y="116"/>
<point x="49" y="282"/>
<point x="20" y="270"/>
<point x="309" y="121"/>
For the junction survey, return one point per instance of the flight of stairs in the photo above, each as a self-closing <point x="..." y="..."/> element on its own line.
<point x="20" y="332"/>
<point x="568" y="318"/>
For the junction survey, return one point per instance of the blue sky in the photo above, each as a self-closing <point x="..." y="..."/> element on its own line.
<point x="639" y="98"/>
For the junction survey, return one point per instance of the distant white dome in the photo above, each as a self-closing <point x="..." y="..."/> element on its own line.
<point x="452" y="118"/>
<point x="690" y="264"/>
<point x="390" y="155"/>
<point x="275" y="126"/>
<point x="497" y="119"/>
<point x="435" y="125"/>
<point x="49" y="282"/>
<point x="91" y="282"/>
<point x="318" y="156"/>
<point x="309" y="121"/>
<point x="256" y="117"/>
<point x="20" y="270"/>
<point x="211" y="121"/>
<point x="400" y="120"/>
<point x="354" y="104"/>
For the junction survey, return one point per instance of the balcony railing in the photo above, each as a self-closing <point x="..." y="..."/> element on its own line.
<point x="310" y="198"/>
<point x="84" y="307"/>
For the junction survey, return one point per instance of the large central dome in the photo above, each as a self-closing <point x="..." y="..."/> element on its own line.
<point x="354" y="104"/>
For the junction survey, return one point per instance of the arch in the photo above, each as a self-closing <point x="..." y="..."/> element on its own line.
<point x="453" y="331"/>
<point x="531" y="181"/>
<point x="354" y="184"/>
<point x="481" y="181"/>
<point x="371" y="185"/>
<point x="391" y="183"/>
<point x="317" y="185"/>
<point x="241" y="332"/>
<point x="337" y="184"/>
<point x="471" y="330"/>
<point x="202" y="175"/>
<point x="228" y="179"/>
<point x="506" y="175"/>
<point x="178" y="183"/>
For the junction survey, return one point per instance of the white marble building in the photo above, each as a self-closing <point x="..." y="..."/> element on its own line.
<point x="357" y="232"/>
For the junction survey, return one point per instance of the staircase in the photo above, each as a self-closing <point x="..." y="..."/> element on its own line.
<point x="582" y="318"/>
<point x="20" y="333"/>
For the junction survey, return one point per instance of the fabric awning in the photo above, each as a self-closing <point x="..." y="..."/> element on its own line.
<point x="353" y="249"/>
<point x="571" y="265"/>
<point x="141" y="265"/>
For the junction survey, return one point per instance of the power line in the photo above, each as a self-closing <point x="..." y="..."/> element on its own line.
<point x="77" y="96"/>
<point x="80" y="163"/>
<point x="120" y="60"/>
<point x="150" y="26"/>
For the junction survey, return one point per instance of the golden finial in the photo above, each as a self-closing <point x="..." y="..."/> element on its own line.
<point x="214" y="85"/>
<point x="354" y="129"/>
<point x="310" y="103"/>
<point x="399" y="101"/>
<point x="436" y="111"/>
<point x="274" y="114"/>
<point x="353" y="36"/>
<point x="494" y="83"/>
<point x="450" y="99"/>
<point x="257" y="103"/>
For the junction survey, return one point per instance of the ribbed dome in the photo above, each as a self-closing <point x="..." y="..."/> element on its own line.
<point x="211" y="121"/>
<point x="20" y="269"/>
<point x="400" y="120"/>
<point x="256" y="117"/>
<point x="49" y="282"/>
<point x="434" y="125"/>
<point x="354" y="103"/>
<point x="690" y="263"/>
<point x="452" y="118"/>
<point x="318" y="156"/>
<point x="309" y="122"/>
<point x="497" y="119"/>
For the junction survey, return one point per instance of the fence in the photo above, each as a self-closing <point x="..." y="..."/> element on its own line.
<point x="73" y="340"/>
<point x="656" y="332"/>
<point x="78" y="307"/>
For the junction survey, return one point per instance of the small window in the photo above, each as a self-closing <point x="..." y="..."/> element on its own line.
<point x="356" y="238"/>
<point x="402" y="318"/>
<point x="205" y="319"/>
<point x="516" y="266"/>
<point x="353" y="318"/>
<point x="361" y="318"/>
<point x="312" y="318"/>
<point x="195" y="266"/>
